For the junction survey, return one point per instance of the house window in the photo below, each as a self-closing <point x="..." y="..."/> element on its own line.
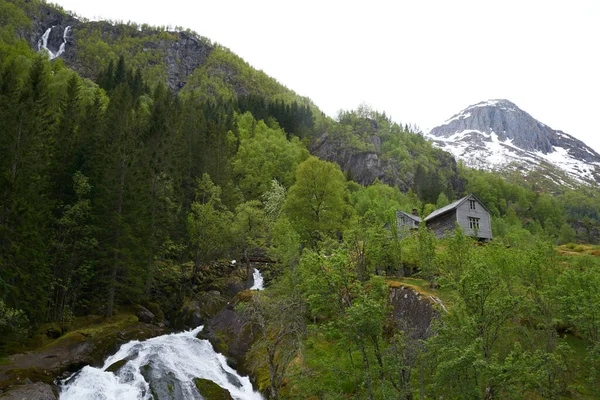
<point x="473" y="223"/>
<point x="472" y="204"/>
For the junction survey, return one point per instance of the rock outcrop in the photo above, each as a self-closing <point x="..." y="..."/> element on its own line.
<point x="364" y="167"/>
<point x="413" y="312"/>
<point x="230" y="333"/>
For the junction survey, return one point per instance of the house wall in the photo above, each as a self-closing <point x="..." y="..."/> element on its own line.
<point x="463" y="212"/>
<point x="443" y="223"/>
<point x="405" y="223"/>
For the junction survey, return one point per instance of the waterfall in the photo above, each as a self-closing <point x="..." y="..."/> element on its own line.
<point x="43" y="42"/>
<point x="258" y="280"/>
<point x="167" y="363"/>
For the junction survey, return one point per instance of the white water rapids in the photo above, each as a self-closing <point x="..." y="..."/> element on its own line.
<point x="169" y="362"/>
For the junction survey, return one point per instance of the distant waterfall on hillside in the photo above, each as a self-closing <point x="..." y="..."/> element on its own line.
<point x="43" y="42"/>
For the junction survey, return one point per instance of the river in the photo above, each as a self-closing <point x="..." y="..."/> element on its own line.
<point x="164" y="366"/>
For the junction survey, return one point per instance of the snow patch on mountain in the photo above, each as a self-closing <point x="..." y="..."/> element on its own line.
<point x="497" y="135"/>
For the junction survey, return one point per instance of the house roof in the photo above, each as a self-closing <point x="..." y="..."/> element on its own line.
<point x="452" y="206"/>
<point x="414" y="217"/>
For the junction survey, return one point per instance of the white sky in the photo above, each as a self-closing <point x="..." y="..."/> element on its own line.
<point x="420" y="61"/>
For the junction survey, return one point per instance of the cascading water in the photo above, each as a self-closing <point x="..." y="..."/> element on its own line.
<point x="164" y="364"/>
<point x="43" y="42"/>
<point x="258" y="280"/>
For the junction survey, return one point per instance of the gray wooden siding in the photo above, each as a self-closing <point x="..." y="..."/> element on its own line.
<point x="405" y="222"/>
<point x="463" y="212"/>
<point x="443" y="224"/>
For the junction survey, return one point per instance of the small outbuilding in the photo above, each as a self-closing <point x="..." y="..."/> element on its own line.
<point x="406" y="221"/>
<point x="470" y="213"/>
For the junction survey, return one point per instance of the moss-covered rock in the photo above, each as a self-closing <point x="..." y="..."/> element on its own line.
<point x="74" y="350"/>
<point x="210" y="390"/>
<point x="116" y="366"/>
<point x="33" y="391"/>
<point x="197" y="310"/>
<point x="230" y="334"/>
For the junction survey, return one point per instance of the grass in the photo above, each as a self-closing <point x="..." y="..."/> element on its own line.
<point x="572" y="249"/>
<point x="422" y="286"/>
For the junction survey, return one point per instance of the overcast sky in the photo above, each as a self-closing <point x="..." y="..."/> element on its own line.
<point x="419" y="61"/>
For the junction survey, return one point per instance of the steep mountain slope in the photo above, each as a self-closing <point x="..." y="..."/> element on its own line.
<point x="498" y="135"/>
<point x="184" y="60"/>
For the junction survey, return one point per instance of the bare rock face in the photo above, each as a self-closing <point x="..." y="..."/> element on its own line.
<point x="57" y="32"/>
<point x="413" y="312"/>
<point x="364" y="167"/>
<point x="495" y="134"/>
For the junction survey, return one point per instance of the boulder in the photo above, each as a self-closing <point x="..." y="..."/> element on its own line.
<point x="210" y="390"/>
<point x="413" y="312"/>
<point x="163" y="386"/>
<point x="144" y="315"/>
<point x="33" y="391"/>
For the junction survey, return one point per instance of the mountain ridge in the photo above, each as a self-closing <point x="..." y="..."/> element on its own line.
<point x="498" y="135"/>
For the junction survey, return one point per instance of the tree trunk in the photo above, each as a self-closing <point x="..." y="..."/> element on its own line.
<point x="366" y="367"/>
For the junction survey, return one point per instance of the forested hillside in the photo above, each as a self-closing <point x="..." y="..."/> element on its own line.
<point x="119" y="188"/>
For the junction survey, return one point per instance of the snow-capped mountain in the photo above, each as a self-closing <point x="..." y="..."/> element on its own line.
<point x="498" y="135"/>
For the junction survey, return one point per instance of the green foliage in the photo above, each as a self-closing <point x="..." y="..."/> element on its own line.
<point x="426" y="254"/>
<point x="264" y="154"/>
<point x="208" y="222"/>
<point x="249" y="228"/>
<point x="13" y="22"/>
<point x="12" y="321"/>
<point x="121" y="192"/>
<point x="578" y="295"/>
<point x="316" y="203"/>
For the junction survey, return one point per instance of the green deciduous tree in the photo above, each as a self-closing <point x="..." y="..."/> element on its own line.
<point x="316" y="203"/>
<point x="208" y="224"/>
<point x="265" y="154"/>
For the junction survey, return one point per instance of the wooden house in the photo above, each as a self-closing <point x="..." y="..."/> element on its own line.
<point x="469" y="212"/>
<point x="406" y="222"/>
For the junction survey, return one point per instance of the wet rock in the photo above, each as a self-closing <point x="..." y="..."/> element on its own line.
<point x="116" y="366"/>
<point x="163" y="386"/>
<point x="34" y="391"/>
<point x="231" y="378"/>
<point x="230" y="334"/>
<point x="73" y="351"/>
<point x="210" y="390"/>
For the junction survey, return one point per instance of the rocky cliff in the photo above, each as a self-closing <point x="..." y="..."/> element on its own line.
<point x="496" y="134"/>
<point x="365" y="164"/>
<point x="59" y="34"/>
